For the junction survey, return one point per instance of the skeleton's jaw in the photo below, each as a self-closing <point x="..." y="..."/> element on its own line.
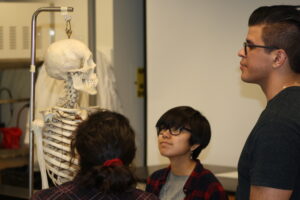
<point x="84" y="84"/>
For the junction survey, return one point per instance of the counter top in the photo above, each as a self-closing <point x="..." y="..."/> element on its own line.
<point x="14" y="157"/>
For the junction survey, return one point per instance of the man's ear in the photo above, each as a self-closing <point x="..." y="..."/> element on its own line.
<point x="279" y="57"/>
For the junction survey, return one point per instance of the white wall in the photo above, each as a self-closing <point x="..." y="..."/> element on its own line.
<point x="128" y="55"/>
<point x="192" y="60"/>
<point x="104" y="21"/>
<point x="120" y="38"/>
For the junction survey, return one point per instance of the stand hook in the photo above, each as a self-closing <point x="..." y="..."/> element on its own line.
<point x="68" y="26"/>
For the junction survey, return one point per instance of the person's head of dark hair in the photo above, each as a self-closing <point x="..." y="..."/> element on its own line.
<point x="187" y="117"/>
<point x="281" y="29"/>
<point x="105" y="135"/>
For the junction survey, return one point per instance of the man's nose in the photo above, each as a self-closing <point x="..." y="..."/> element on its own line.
<point x="241" y="53"/>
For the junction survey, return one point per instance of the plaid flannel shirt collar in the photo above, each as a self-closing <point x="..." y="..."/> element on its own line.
<point x="188" y="186"/>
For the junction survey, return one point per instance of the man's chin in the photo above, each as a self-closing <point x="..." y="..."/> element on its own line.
<point x="246" y="79"/>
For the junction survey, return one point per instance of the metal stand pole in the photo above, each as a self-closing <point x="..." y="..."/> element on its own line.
<point x="32" y="70"/>
<point x="92" y="38"/>
<point x="92" y="28"/>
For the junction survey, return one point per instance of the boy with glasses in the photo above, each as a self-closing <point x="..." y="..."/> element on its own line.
<point x="269" y="165"/>
<point x="182" y="134"/>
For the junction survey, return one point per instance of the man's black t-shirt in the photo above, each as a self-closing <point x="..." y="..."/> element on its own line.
<point x="271" y="155"/>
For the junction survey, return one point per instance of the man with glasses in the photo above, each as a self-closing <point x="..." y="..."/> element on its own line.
<point x="182" y="134"/>
<point x="269" y="165"/>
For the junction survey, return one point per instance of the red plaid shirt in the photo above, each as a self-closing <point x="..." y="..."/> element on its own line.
<point x="73" y="191"/>
<point x="201" y="185"/>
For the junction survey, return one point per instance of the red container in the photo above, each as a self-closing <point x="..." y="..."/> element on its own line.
<point x="11" y="137"/>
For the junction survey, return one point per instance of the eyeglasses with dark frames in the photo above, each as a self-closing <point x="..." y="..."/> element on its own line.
<point x="246" y="44"/>
<point x="173" y="131"/>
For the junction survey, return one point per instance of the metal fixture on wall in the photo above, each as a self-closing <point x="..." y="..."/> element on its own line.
<point x="140" y="82"/>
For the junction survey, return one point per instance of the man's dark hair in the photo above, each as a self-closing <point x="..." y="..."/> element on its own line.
<point x="105" y="135"/>
<point x="187" y="117"/>
<point x="281" y="30"/>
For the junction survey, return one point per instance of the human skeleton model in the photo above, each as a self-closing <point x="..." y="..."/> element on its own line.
<point x="71" y="61"/>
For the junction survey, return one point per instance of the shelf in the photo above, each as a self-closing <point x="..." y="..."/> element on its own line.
<point x="6" y="101"/>
<point x="17" y="63"/>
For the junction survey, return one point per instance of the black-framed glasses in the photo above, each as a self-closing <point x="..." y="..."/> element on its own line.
<point x="173" y="131"/>
<point x="256" y="46"/>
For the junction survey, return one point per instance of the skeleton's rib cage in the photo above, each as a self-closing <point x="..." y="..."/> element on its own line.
<point x="57" y="131"/>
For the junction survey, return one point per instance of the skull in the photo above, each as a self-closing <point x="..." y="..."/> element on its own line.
<point x="71" y="57"/>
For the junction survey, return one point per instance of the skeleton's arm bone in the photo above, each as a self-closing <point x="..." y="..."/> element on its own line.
<point x="37" y="127"/>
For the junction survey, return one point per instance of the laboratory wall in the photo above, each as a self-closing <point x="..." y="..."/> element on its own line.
<point x="192" y="60"/>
